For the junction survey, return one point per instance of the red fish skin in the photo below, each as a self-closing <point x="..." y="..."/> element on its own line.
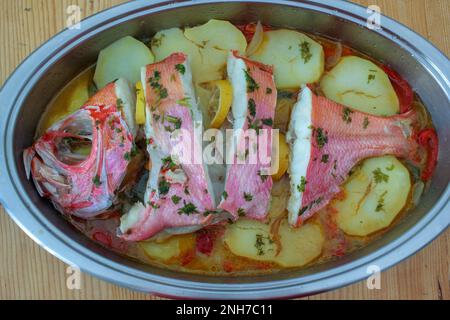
<point x="245" y="179"/>
<point x="349" y="142"/>
<point x="86" y="188"/>
<point x="161" y="211"/>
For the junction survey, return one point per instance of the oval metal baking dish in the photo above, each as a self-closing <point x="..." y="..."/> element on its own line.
<point x="30" y="88"/>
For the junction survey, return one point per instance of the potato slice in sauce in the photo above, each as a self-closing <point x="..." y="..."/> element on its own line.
<point x="360" y="84"/>
<point x="374" y="195"/>
<point x="297" y="59"/>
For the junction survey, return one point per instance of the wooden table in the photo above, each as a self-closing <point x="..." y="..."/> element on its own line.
<point x="29" y="272"/>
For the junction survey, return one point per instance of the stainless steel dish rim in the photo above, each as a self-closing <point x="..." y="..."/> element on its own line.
<point x="28" y="217"/>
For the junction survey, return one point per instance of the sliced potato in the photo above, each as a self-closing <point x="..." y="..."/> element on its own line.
<point x="374" y="195"/>
<point x="170" y="248"/>
<point x="122" y="59"/>
<point x="250" y="239"/>
<point x="206" y="63"/>
<point x="217" y="34"/>
<point x="297" y="59"/>
<point x="299" y="246"/>
<point x="362" y="85"/>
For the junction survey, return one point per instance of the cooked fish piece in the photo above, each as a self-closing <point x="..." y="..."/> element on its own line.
<point x="121" y="94"/>
<point x="247" y="187"/>
<point x="79" y="163"/>
<point x="328" y="139"/>
<point x="179" y="195"/>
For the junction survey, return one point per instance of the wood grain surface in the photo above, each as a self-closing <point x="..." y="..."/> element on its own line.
<point x="29" y="272"/>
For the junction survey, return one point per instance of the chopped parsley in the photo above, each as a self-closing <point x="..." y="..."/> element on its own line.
<point x="301" y="187"/>
<point x="163" y="93"/>
<point x="390" y="168"/>
<point x="156" y="117"/>
<point x="305" y="50"/>
<point x="188" y="208"/>
<point x="248" y="196"/>
<point x="321" y="137"/>
<point x="175" y="121"/>
<point x="365" y="122"/>
<point x="380" y="203"/>
<point x="251" y="83"/>
<point x="96" y="181"/>
<point x="252" y="107"/>
<point x="260" y="243"/>
<point x="154" y="205"/>
<point x="168" y="163"/>
<point x="268" y="90"/>
<point x="370" y="77"/>
<point x="325" y="158"/>
<point x="180" y="68"/>
<point x="241" y="212"/>
<point x="175" y="199"/>
<point x="346" y="115"/>
<point x="225" y="195"/>
<point x="185" y="102"/>
<point x="268" y="122"/>
<point x="163" y="186"/>
<point x="154" y="83"/>
<point x="380" y="176"/>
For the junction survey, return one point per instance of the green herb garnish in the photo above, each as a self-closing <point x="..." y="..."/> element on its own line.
<point x="305" y="50"/>
<point x="379" y="176"/>
<point x="380" y="203"/>
<point x="325" y="158"/>
<point x="346" y="115"/>
<point x="252" y="107"/>
<point x="180" y="68"/>
<point x="96" y="181"/>
<point x="268" y="122"/>
<point x="188" y="208"/>
<point x="251" y="83"/>
<point x="241" y="212"/>
<point x="163" y="186"/>
<point x="302" y="186"/>
<point x="248" y="196"/>
<point x="175" y="199"/>
<point x="321" y="137"/>
<point x="365" y="122"/>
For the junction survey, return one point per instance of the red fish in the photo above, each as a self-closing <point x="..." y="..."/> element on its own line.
<point x="247" y="187"/>
<point x="327" y="140"/>
<point x="179" y="195"/>
<point x="83" y="183"/>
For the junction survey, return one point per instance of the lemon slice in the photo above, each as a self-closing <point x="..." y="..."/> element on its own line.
<point x="283" y="157"/>
<point x="220" y="102"/>
<point x="140" y="104"/>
